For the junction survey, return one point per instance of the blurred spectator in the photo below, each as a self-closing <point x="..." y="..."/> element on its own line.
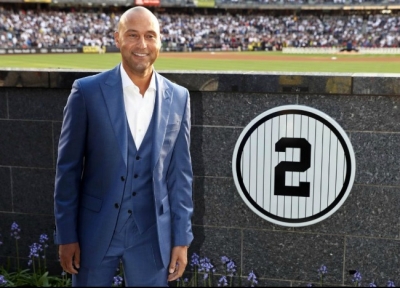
<point x="189" y="32"/>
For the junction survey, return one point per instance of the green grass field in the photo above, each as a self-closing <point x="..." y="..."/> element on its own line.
<point x="235" y="61"/>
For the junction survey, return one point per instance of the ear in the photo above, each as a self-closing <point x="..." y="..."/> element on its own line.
<point x="116" y="39"/>
<point x="159" y="42"/>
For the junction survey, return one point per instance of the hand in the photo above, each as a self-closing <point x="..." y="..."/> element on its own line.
<point x="178" y="262"/>
<point x="70" y="257"/>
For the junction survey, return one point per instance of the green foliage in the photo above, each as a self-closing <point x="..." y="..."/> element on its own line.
<point x="37" y="275"/>
<point x="28" y="278"/>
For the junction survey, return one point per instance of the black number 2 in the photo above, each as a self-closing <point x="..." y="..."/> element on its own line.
<point x="303" y="190"/>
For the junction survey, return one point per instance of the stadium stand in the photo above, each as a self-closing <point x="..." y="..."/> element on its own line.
<point x="66" y="24"/>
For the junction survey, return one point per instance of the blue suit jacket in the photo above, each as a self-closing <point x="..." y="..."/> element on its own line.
<point x="92" y="165"/>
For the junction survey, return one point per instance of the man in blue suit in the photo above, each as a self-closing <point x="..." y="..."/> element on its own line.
<point x="123" y="187"/>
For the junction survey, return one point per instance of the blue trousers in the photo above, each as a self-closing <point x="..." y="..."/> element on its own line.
<point x="140" y="256"/>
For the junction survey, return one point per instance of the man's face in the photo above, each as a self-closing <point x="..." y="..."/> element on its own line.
<point x="138" y="38"/>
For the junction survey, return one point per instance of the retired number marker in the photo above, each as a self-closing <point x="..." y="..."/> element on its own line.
<point x="293" y="165"/>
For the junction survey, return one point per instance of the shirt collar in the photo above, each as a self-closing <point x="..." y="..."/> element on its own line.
<point x="126" y="81"/>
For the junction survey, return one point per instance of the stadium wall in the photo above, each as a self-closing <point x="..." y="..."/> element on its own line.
<point x="362" y="235"/>
<point x="59" y="50"/>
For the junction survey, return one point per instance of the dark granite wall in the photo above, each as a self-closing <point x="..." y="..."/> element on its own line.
<point x="364" y="234"/>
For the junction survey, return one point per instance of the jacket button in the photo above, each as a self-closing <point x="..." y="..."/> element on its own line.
<point x="137" y="158"/>
<point x="135" y="176"/>
<point x="116" y="205"/>
<point x="133" y="193"/>
<point x="122" y="178"/>
<point x="130" y="211"/>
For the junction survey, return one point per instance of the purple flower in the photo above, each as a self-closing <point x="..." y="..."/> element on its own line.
<point x="195" y="260"/>
<point x="35" y="249"/>
<point x="224" y="259"/>
<point x="372" y="284"/>
<point x="230" y="266"/>
<point x="1" y="243"/>
<point x="117" y="281"/>
<point x="43" y="239"/>
<point x="252" y="278"/>
<point x="322" y="270"/>
<point x="390" y="284"/>
<point x="2" y="280"/>
<point x="206" y="266"/>
<point x="15" y="231"/>
<point x="357" y="277"/>
<point x="309" y="285"/>
<point x="222" y="281"/>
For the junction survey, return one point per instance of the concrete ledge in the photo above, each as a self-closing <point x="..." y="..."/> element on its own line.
<point x="222" y="81"/>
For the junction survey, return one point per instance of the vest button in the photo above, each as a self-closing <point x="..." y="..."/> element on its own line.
<point x="133" y="193"/>
<point x="116" y="205"/>
<point x="137" y="158"/>
<point x="130" y="211"/>
<point x="135" y="176"/>
<point x="122" y="178"/>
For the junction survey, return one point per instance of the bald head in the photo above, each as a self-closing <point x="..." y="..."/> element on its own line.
<point x="138" y="11"/>
<point x="138" y="38"/>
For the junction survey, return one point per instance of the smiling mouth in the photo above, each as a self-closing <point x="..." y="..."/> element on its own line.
<point x="140" y="54"/>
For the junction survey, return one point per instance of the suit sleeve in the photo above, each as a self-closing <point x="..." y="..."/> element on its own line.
<point x="180" y="178"/>
<point x="69" y="167"/>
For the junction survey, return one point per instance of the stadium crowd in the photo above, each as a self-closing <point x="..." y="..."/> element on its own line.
<point x="29" y="28"/>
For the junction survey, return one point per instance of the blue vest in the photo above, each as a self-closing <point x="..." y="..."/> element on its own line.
<point x="138" y="198"/>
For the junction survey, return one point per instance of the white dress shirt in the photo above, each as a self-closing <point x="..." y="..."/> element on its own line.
<point x="138" y="108"/>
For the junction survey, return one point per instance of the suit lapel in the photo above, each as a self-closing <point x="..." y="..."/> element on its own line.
<point x="114" y="99"/>
<point x="161" y="110"/>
